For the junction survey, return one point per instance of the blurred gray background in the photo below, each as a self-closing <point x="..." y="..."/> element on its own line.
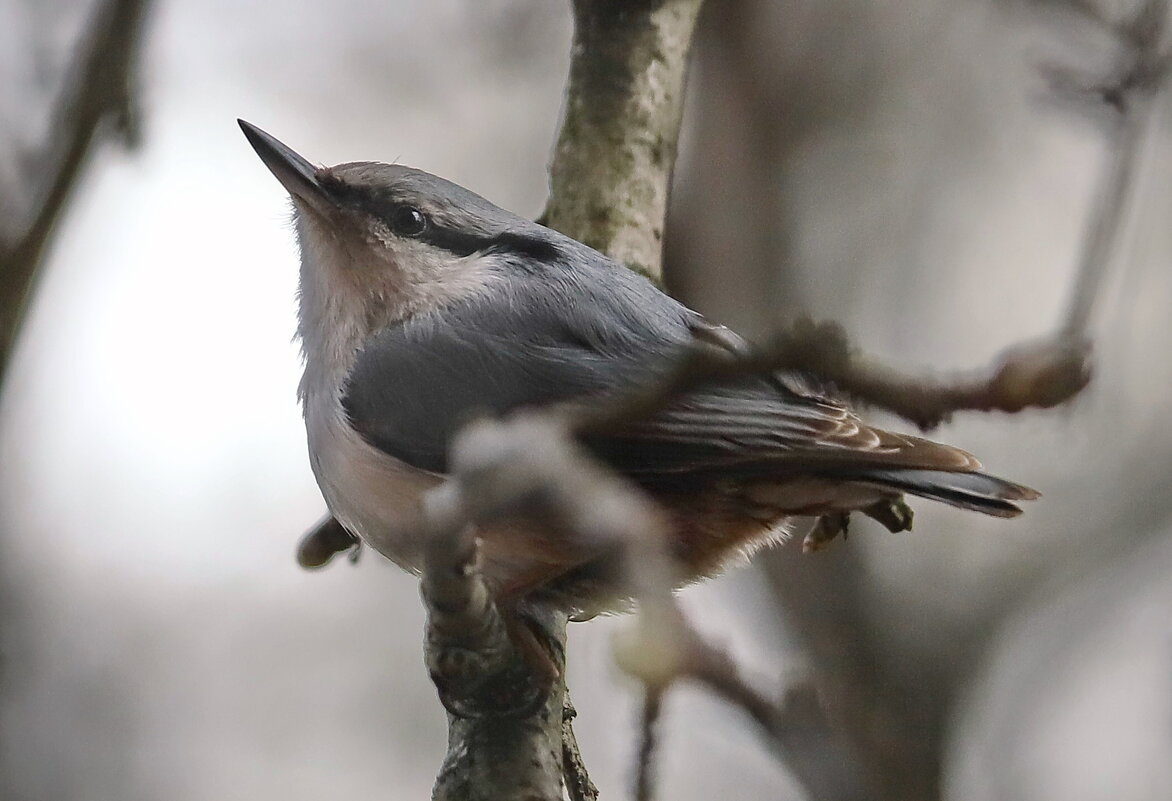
<point x="903" y="168"/>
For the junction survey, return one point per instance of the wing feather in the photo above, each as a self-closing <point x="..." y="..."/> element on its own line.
<point x="541" y="338"/>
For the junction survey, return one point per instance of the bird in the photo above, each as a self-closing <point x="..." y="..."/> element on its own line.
<point x="422" y="304"/>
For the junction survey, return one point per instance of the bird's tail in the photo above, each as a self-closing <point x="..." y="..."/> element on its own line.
<point x="976" y="491"/>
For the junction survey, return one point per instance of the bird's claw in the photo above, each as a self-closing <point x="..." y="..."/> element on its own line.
<point x="826" y="528"/>
<point x="892" y="513"/>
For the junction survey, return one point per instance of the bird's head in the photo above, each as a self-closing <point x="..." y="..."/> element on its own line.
<point x="383" y="242"/>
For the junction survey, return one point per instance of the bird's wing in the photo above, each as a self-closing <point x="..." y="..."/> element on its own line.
<point x="413" y="385"/>
<point x="538" y="338"/>
<point x="761" y="427"/>
<point x="765" y="424"/>
<point x="411" y="389"/>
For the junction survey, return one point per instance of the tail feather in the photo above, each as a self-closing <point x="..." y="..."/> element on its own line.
<point x="979" y="492"/>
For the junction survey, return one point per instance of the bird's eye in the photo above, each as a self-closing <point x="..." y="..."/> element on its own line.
<point x="408" y="221"/>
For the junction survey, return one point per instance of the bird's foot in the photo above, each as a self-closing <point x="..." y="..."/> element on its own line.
<point x="892" y="513"/>
<point x="826" y="528"/>
<point x="323" y="541"/>
<point x="534" y="635"/>
<point x="508" y="673"/>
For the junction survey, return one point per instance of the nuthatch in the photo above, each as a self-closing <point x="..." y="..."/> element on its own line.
<point x="422" y="303"/>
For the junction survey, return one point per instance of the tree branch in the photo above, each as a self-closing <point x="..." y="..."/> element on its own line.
<point x="612" y="166"/>
<point x="578" y="784"/>
<point x="98" y="88"/>
<point x="1147" y="62"/>
<point x="505" y="722"/>
<point x="648" y="743"/>
<point x="1042" y="374"/>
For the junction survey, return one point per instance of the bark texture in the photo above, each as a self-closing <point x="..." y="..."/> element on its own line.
<point x="612" y="165"/>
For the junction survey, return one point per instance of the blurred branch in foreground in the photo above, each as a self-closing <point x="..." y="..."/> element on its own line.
<point x="1042" y="374"/>
<point x="97" y="97"/>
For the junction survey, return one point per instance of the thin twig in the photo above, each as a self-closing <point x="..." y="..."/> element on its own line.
<point x="716" y="669"/>
<point x="1042" y="374"/>
<point x="578" y="784"/>
<point x="663" y="648"/>
<point x="1132" y="94"/>
<point x="98" y="88"/>
<point x="648" y="743"/>
<point x="1110" y="204"/>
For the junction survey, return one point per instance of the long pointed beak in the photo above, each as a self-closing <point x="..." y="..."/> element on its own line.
<point x="295" y="173"/>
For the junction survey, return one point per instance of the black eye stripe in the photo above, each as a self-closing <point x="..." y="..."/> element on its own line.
<point x="459" y="243"/>
<point x="462" y="243"/>
<point x="442" y="234"/>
